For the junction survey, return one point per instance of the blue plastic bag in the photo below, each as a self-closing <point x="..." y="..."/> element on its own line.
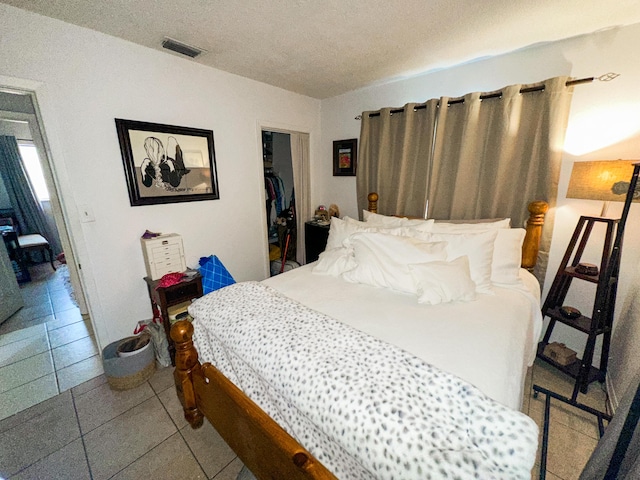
<point x="214" y="274"/>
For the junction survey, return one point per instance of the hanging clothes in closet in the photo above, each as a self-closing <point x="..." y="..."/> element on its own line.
<point x="275" y="193"/>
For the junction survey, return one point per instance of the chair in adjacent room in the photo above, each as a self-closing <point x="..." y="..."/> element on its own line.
<point x="36" y="243"/>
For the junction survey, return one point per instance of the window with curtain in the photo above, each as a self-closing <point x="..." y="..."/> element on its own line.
<point x="22" y="195"/>
<point x="484" y="155"/>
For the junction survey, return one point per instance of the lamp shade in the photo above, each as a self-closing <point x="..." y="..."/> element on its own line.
<point x="606" y="180"/>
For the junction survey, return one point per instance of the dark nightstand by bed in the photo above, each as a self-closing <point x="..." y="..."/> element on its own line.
<point x="164" y="297"/>
<point x="315" y="240"/>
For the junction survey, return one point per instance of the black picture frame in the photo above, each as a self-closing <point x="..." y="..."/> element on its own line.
<point x="345" y="157"/>
<point x="167" y="163"/>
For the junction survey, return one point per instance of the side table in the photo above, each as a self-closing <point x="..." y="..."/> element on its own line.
<point x="164" y="297"/>
<point x="315" y="239"/>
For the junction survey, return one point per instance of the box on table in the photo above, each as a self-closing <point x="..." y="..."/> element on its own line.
<point x="163" y="254"/>
<point x="560" y="353"/>
<point x="178" y="312"/>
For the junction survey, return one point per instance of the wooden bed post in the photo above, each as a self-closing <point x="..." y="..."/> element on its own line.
<point x="373" y="202"/>
<point x="531" y="244"/>
<point x="186" y="364"/>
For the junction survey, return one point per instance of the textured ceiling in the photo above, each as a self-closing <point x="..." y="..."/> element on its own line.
<point x="326" y="48"/>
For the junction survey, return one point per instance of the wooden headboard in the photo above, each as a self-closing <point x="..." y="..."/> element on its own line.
<point x="530" y="246"/>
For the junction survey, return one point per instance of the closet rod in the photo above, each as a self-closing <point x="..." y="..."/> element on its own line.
<point x="538" y="88"/>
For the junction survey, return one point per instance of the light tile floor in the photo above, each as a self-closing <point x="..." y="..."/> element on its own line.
<point x="47" y="347"/>
<point x="93" y="432"/>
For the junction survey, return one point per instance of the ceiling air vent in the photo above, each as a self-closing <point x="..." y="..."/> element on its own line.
<point x="182" y="48"/>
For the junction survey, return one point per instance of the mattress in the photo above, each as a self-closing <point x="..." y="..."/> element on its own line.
<point x="488" y="342"/>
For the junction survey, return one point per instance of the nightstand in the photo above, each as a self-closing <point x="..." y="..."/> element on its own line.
<point x="315" y="240"/>
<point x="164" y="297"/>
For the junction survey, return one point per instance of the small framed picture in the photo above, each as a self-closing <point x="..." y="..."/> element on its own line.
<point x="345" y="156"/>
<point x="167" y="163"/>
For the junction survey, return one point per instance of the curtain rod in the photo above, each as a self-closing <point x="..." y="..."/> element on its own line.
<point x="603" y="78"/>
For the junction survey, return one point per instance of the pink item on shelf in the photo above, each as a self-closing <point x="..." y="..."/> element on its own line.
<point x="170" y="279"/>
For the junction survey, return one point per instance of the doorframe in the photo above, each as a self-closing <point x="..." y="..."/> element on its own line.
<point x="278" y="128"/>
<point x="54" y="197"/>
<point x="59" y="205"/>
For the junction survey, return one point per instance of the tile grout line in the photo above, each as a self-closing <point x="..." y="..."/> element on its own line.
<point x="84" y="446"/>
<point x="179" y="430"/>
<point x="31" y="381"/>
<point x="54" y="452"/>
<point x="25" y="338"/>
<point x="26" y="358"/>
<point x="76" y="363"/>
<point x="117" y="416"/>
<point x="161" y="442"/>
<point x="43" y="458"/>
<point x="53" y="362"/>
<point x="223" y="468"/>
<point x="20" y="424"/>
<point x="91" y="389"/>
<point x="61" y="326"/>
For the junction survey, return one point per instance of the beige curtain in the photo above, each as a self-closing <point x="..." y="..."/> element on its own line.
<point x="302" y="186"/>
<point x="492" y="156"/>
<point x="395" y="149"/>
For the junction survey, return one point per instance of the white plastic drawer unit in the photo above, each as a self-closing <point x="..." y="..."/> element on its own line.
<point x="163" y="254"/>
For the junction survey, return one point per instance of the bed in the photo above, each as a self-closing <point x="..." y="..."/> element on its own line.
<point x="343" y="378"/>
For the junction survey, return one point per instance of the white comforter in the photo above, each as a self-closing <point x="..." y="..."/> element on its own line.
<point x="363" y="407"/>
<point x="488" y="342"/>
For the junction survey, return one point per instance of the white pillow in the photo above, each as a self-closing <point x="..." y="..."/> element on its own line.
<point x="335" y="262"/>
<point x="391" y="221"/>
<point x="479" y="225"/>
<point x="383" y="259"/>
<point x="478" y="246"/>
<point x="341" y="229"/>
<point x="442" y="282"/>
<point x="507" y="256"/>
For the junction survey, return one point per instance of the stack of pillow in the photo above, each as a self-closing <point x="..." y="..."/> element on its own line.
<point x="437" y="261"/>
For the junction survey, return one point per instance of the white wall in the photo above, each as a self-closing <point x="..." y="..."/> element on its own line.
<point x="604" y="124"/>
<point x="83" y="80"/>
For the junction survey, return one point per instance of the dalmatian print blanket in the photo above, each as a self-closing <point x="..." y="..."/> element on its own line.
<point x="364" y="408"/>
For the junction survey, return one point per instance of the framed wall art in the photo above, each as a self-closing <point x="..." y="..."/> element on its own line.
<point x="166" y="163"/>
<point x="345" y="155"/>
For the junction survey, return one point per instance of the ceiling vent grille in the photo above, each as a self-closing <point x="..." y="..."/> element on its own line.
<point x="182" y="48"/>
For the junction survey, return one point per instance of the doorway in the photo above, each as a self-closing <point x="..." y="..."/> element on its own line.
<point x="50" y="338"/>
<point x="285" y="157"/>
<point x="19" y="117"/>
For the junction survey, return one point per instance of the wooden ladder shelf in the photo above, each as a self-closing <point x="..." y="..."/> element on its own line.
<point x="601" y="320"/>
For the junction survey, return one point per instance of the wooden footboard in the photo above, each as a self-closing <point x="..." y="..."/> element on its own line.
<point x="262" y="445"/>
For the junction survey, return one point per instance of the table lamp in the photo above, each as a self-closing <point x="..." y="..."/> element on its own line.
<point x="605" y="180"/>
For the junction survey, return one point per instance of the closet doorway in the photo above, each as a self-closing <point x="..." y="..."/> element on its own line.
<point x="285" y="158"/>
